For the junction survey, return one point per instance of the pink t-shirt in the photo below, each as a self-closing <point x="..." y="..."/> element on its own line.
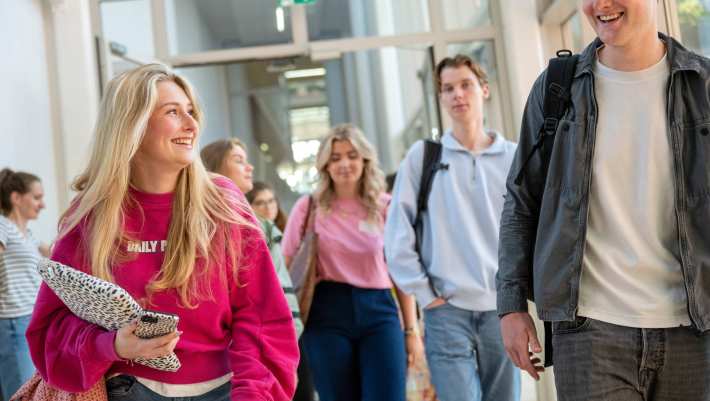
<point x="350" y="248"/>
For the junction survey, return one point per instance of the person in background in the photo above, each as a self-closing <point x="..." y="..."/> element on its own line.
<point x="150" y="218"/>
<point x="265" y="204"/>
<point x="451" y="267"/>
<point x="21" y="200"/>
<point x="229" y="158"/>
<point x="353" y="337"/>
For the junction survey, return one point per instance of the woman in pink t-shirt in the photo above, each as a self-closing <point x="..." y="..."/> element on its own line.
<point x="353" y="337"/>
<point x="150" y="218"/>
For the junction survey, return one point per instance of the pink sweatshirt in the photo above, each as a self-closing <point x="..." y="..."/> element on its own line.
<point x="247" y="329"/>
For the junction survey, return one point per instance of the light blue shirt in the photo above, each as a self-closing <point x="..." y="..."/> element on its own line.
<point x="460" y="227"/>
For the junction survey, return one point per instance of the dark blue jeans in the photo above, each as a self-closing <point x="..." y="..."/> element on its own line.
<point x="355" y="344"/>
<point x="598" y="361"/>
<point x="124" y="388"/>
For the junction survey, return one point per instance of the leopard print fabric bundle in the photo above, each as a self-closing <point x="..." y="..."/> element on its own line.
<point x="99" y="302"/>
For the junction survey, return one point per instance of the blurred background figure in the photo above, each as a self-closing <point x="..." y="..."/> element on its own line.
<point x="21" y="200"/>
<point x="264" y="202"/>
<point x="229" y="158"/>
<point x="353" y="338"/>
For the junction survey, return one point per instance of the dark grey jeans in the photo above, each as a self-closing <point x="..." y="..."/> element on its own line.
<point x="598" y="361"/>
<point x="126" y="388"/>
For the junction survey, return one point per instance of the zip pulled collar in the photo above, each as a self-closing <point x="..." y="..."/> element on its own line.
<point x="449" y="141"/>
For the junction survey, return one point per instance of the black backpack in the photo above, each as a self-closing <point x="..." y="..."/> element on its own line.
<point x="560" y="73"/>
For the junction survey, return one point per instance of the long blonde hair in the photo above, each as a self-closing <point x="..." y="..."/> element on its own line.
<point x="372" y="182"/>
<point x="200" y="210"/>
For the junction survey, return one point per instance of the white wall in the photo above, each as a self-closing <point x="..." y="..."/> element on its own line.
<point x="27" y="136"/>
<point x="129" y="23"/>
<point x="212" y="92"/>
<point x="522" y="41"/>
<point x="189" y="33"/>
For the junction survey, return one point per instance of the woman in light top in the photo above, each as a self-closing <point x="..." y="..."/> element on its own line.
<point x="353" y="337"/>
<point x="150" y="218"/>
<point x="21" y="200"/>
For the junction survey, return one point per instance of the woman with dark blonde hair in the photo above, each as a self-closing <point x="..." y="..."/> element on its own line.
<point x="229" y="158"/>
<point x="353" y="337"/>
<point x="150" y="218"/>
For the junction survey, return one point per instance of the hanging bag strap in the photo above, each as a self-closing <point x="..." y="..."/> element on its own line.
<point x="431" y="163"/>
<point x="557" y="98"/>
<point x="309" y="222"/>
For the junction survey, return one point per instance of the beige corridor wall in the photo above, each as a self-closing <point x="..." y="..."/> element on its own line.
<point x="27" y="139"/>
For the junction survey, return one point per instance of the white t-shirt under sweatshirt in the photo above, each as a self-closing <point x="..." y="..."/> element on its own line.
<point x="631" y="274"/>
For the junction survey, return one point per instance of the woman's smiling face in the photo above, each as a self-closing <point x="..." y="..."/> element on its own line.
<point x="171" y="136"/>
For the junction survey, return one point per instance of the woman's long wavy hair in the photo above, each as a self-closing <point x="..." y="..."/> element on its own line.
<point x="372" y="182"/>
<point x="201" y="212"/>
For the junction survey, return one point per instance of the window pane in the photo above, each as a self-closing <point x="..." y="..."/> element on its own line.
<point x="335" y="19"/>
<point x="200" y="25"/>
<point x="465" y="14"/>
<point x="483" y="53"/>
<point x="281" y="109"/>
<point x="694" y="19"/>
<point x="389" y="94"/>
<point x="129" y="26"/>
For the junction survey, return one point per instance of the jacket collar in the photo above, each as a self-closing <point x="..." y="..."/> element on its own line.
<point x="680" y="58"/>
<point x="498" y="145"/>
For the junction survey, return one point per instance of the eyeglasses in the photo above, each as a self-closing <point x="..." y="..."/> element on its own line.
<point x="266" y="202"/>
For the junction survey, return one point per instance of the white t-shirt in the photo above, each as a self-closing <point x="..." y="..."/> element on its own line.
<point x="631" y="274"/>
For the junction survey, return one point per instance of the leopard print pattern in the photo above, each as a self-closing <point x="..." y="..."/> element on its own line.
<point x="168" y="363"/>
<point x="99" y="302"/>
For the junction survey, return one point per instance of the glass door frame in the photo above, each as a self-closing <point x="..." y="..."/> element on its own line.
<point x="438" y="38"/>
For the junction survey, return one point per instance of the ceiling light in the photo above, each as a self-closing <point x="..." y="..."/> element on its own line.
<point x="280" y="21"/>
<point x="305" y="73"/>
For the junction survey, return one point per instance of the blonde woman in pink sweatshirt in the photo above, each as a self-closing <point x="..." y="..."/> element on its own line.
<point x="148" y="217"/>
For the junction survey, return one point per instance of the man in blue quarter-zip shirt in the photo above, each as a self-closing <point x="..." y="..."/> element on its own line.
<point x="452" y="274"/>
<point x="612" y="243"/>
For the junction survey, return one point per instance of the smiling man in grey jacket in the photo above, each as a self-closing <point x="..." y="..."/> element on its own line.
<point x="613" y="242"/>
<point x="453" y="274"/>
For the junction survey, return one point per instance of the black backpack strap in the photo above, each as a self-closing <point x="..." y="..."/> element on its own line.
<point x="560" y="74"/>
<point x="430" y="161"/>
<point x="430" y="165"/>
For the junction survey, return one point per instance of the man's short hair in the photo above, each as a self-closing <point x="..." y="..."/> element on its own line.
<point x="460" y="60"/>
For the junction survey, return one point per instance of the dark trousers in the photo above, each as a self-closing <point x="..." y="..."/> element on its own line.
<point x="598" y="361"/>
<point x="125" y="388"/>
<point x="355" y="345"/>
<point x="304" y="390"/>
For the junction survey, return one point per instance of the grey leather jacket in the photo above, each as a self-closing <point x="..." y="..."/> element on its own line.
<point x="543" y="232"/>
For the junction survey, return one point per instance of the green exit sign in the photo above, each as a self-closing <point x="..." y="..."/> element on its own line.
<point x="283" y="3"/>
